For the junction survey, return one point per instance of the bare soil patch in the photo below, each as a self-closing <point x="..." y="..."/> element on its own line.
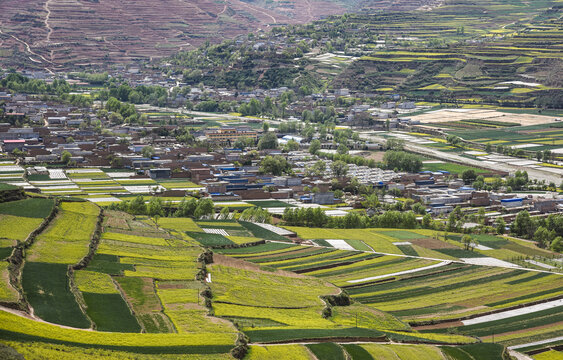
<point x="451" y="115"/>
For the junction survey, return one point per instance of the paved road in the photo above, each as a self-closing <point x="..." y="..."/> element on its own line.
<point x="533" y="173"/>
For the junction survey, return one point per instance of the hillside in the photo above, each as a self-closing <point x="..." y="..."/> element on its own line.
<point x="65" y="33"/>
<point x="462" y="52"/>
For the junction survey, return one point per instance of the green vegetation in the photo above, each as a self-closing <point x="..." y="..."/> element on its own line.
<point x="32" y="207"/>
<point x="47" y="290"/>
<point x="104" y="304"/>
<point x="328" y="351"/>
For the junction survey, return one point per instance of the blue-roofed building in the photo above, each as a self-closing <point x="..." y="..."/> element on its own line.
<point x="511" y="203"/>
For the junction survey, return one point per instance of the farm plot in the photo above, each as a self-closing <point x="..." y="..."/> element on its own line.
<point x="415" y="290"/>
<point x="141" y="295"/>
<point x="294" y="352"/>
<point x="261" y="232"/>
<point x="7" y="292"/>
<point x="17" y="227"/>
<point x="67" y="238"/>
<point x="179" y="224"/>
<point x="184" y="306"/>
<point x="230" y="284"/>
<point x="45" y="274"/>
<point x="477" y="290"/>
<point x="32" y="207"/>
<point x="21" y="332"/>
<point x="104" y="304"/>
<point x="138" y="263"/>
<point x="378" y="242"/>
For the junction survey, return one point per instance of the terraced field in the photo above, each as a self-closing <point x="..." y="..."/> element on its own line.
<point x="447" y="296"/>
<point x="149" y="279"/>
<point x="45" y="275"/>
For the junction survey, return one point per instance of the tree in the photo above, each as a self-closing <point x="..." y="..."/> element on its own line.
<point x="543" y="237"/>
<point x="155" y="207"/>
<point x="317" y="169"/>
<point x="427" y="221"/>
<point x="316" y="146"/>
<point x="138" y="206"/>
<point x="371" y="202"/>
<point x="342" y="149"/>
<point x="338" y="194"/>
<point x="452" y="222"/>
<point x="243" y="142"/>
<point x="481" y="214"/>
<point x="402" y="161"/>
<point x="453" y="140"/>
<point x="275" y="165"/>
<point x="557" y="244"/>
<point x="265" y="126"/>
<point x="339" y="168"/>
<point x="65" y="157"/>
<point x="469" y="176"/>
<point x="224" y="214"/>
<point x="291" y="145"/>
<point x="147" y="151"/>
<point x="467" y="241"/>
<point x="523" y="225"/>
<point x="205" y="207"/>
<point x="500" y="225"/>
<point x="268" y="141"/>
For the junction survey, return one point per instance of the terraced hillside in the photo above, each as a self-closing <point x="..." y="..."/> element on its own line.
<point x="464" y="52"/>
<point x="126" y="287"/>
<point x="60" y="33"/>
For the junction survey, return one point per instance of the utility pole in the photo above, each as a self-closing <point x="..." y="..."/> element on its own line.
<point x="356" y="319"/>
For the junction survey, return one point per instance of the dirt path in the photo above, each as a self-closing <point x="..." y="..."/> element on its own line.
<point x="46" y="21"/>
<point x="274" y="20"/>
<point x="518" y="356"/>
<point x="28" y="49"/>
<point x="224" y="9"/>
<point x="309" y="14"/>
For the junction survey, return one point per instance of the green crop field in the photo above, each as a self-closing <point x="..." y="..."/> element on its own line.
<point x="67" y="238"/>
<point x="46" y="287"/>
<point x="7" y="292"/>
<point x="33" y="207"/>
<point x="18" y="331"/>
<point x="295" y="352"/>
<point x="104" y="304"/>
<point x="25" y="225"/>
<point x="328" y="351"/>
<point x="45" y="275"/>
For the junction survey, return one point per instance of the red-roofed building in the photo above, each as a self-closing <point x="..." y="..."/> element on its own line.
<point x="10" y="145"/>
